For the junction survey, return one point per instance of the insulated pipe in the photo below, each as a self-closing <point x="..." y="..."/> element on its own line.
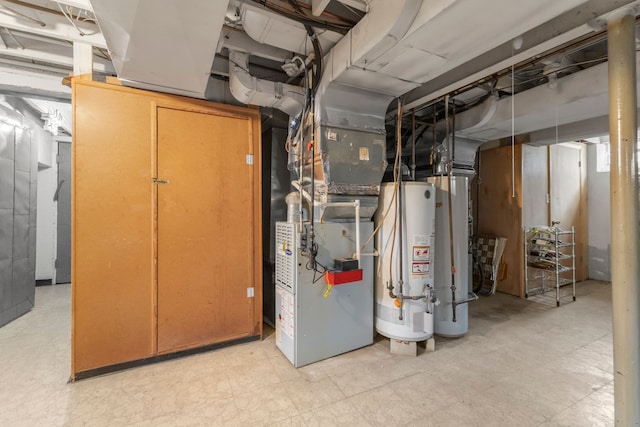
<point x="625" y="236"/>
<point x="356" y="205"/>
<point x="251" y="90"/>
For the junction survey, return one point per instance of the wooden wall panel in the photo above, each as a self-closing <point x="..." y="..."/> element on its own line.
<point x="112" y="253"/>
<point x="499" y="213"/>
<point x="503" y="215"/>
<point x="114" y="276"/>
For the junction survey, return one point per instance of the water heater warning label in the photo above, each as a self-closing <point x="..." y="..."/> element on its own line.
<point x="420" y="268"/>
<point x="421" y="253"/>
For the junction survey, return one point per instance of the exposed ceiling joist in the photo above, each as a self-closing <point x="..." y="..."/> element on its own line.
<point x="80" y="4"/>
<point x="31" y="36"/>
<point x="53" y="58"/>
<point x="55" y="26"/>
<point x="361" y="5"/>
<point x="318" y="6"/>
<point x="32" y="83"/>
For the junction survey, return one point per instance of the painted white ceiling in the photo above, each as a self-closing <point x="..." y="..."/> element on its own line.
<point x="169" y="45"/>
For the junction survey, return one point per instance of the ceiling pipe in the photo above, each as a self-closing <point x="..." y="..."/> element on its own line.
<point x="270" y="28"/>
<point x="251" y="90"/>
<point x="579" y="96"/>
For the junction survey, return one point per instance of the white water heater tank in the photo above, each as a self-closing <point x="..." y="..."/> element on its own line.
<point x="443" y="313"/>
<point x="414" y="322"/>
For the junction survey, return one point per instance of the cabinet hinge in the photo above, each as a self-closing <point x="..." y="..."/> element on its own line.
<point x="250" y="292"/>
<point x="249" y="159"/>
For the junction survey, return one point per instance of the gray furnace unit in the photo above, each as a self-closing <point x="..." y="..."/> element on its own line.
<point x="315" y="321"/>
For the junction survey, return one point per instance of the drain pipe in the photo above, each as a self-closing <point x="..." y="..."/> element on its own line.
<point x="625" y="235"/>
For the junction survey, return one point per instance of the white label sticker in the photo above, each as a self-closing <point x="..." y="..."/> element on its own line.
<point x="332" y="136"/>
<point x="421" y="253"/>
<point x="364" y="154"/>
<point x="420" y="268"/>
<point x="287" y="312"/>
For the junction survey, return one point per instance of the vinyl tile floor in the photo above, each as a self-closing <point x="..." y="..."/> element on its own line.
<point x="523" y="363"/>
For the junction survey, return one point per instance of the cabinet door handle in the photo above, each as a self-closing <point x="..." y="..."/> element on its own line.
<point x="160" y="181"/>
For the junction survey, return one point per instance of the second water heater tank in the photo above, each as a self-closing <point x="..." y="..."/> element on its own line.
<point x="443" y="313"/>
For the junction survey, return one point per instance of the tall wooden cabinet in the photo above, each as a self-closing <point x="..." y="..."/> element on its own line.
<point x="530" y="186"/>
<point x="166" y="249"/>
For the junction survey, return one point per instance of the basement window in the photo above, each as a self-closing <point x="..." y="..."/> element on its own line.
<point x="603" y="158"/>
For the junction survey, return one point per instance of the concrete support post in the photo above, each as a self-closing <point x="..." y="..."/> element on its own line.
<point x="82" y="58"/>
<point x="625" y="236"/>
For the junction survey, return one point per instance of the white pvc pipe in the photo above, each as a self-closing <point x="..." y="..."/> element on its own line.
<point x="356" y="205"/>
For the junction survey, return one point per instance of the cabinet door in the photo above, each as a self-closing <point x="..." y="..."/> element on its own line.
<point x="205" y="229"/>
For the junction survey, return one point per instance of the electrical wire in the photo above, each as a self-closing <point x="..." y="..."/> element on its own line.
<point x="71" y="21"/>
<point x="317" y="50"/>
<point x="397" y="170"/>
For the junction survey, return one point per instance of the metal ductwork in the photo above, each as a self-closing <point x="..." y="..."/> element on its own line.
<point x="251" y="90"/>
<point x="463" y="153"/>
<point x="166" y="46"/>
<point x="347" y="66"/>
<point x="579" y="96"/>
<point x="350" y="109"/>
<point x="270" y="28"/>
